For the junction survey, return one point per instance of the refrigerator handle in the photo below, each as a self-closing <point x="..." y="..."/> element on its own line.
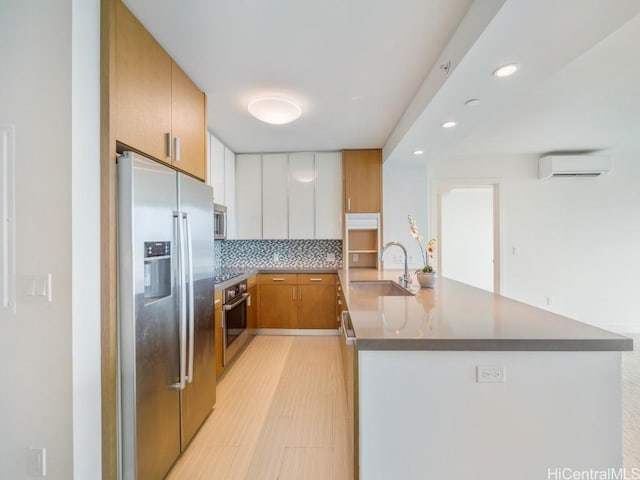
<point x="188" y="244"/>
<point x="182" y="301"/>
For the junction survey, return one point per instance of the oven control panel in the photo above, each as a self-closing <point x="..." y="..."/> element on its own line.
<point x="234" y="291"/>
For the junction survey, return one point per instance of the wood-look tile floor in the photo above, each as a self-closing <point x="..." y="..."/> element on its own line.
<point x="280" y="414"/>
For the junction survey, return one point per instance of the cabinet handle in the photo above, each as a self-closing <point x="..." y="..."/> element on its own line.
<point x="167" y="140"/>
<point x="277" y="279"/>
<point x="176" y="142"/>
<point x="315" y="279"/>
<point x="300" y="289"/>
<point x="349" y="203"/>
<point x="293" y="293"/>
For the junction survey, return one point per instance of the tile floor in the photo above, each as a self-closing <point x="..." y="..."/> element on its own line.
<point x="280" y="413"/>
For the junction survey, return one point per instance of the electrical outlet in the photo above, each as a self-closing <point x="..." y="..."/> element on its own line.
<point x="276" y="257"/>
<point x="490" y="374"/>
<point x="356" y="257"/>
<point x="331" y="257"/>
<point x="549" y="301"/>
<point x="37" y="462"/>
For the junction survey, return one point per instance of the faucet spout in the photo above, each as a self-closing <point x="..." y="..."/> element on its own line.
<point x="406" y="278"/>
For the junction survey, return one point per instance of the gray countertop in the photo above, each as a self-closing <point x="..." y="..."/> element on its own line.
<point x="456" y="316"/>
<point x="248" y="271"/>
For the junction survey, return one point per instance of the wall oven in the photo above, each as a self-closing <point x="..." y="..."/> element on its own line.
<point x="219" y="222"/>
<point x="234" y="321"/>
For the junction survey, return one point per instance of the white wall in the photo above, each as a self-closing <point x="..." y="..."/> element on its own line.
<point x="46" y="347"/>
<point x="85" y="158"/>
<point x="578" y="239"/>
<point x="404" y="192"/>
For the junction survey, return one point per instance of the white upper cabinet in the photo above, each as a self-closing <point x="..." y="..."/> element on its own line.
<point x="289" y="196"/>
<point x="249" y="196"/>
<point x="302" y="206"/>
<point x="328" y="195"/>
<point x="274" y="196"/>
<point x="216" y="169"/>
<point x="230" y="191"/>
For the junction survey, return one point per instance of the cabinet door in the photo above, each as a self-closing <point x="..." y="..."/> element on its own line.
<point x="362" y="181"/>
<point x="230" y="191"/>
<point x="301" y="196"/>
<point x="317" y="306"/>
<point x="143" y="88"/>
<point x="252" y="310"/>
<point x="277" y="306"/>
<point x="216" y="169"/>
<point x="328" y="195"/>
<point x="188" y="124"/>
<point x="274" y="196"/>
<point x="217" y="315"/>
<point x="249" y="196"/>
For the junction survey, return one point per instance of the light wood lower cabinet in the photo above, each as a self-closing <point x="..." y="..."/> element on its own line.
<point x="217" y="316"/>
<point x="252" y="309"/>
<point x="297" y="301"/>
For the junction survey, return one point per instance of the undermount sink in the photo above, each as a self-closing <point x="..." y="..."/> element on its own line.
<point x="379" y="288"/>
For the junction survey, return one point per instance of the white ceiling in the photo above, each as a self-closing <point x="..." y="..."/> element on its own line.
<point x="367" y="72"/>
<point x="354" y="65"/>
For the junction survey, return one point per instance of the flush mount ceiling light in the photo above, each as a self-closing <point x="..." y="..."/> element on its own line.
<point x="274" y="110"/>
<point x="418" y="152"/>
<point x="449" y="124"/>
<point x="506" y="70"/>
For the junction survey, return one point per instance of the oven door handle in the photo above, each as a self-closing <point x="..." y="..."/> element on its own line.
<point x="235" y="304"/>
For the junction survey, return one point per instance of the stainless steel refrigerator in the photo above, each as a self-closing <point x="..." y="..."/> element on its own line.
<point x="166" y="330"/>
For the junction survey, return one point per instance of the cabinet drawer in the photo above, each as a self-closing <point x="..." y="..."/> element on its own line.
<point x="252" y="281"/>
<point x="278" y="279"/>
<point x="310" y="279"/>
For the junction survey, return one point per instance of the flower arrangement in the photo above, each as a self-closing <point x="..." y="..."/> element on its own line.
<point x="428" y="250"/>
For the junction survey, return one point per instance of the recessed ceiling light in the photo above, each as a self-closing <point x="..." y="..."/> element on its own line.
<point x="472" y="102"/>
<point x="449" y="124"/>
<point x="274" y="110"/>
<point x="418" y="152"/>
<point x="506" y="70"/>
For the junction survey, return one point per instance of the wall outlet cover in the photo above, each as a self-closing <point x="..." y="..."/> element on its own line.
<point x="490" y="374"/>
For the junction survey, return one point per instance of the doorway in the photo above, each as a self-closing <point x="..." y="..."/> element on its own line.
<point x="468" y="231"/>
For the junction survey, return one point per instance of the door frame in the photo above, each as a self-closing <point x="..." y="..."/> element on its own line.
<point x="439" y="186"/>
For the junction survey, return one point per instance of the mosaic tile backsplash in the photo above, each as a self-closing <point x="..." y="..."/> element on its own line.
<point x="290" y="253"/>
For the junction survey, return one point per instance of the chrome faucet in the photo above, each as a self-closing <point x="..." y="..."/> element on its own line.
<point x="405" y="279"/>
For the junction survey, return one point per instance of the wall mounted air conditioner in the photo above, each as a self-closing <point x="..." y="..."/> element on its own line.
<point x="572" y="166"/>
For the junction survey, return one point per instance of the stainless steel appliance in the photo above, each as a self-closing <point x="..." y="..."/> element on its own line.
<point x="219" y="221"/>
<point x="166" y="330"/>
<point x="234" y="320"/>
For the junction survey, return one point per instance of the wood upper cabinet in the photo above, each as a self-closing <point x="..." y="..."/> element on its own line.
<point x="362" y="173"/>
<point x="159" y="110"/>
<point x="188" y="122"/>
<point x="143" y="88"/>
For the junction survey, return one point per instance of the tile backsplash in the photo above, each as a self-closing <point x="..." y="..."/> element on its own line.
<point x="278" y="253"/>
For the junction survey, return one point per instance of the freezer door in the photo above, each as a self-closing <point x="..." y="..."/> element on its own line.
<point x="198" y="397"/>
<point x="148" y="317"/>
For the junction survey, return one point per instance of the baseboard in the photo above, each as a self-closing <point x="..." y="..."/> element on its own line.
<point x="297" y="331"/>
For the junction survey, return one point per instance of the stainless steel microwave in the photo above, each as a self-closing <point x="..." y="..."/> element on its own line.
<point x="219" y="222"/>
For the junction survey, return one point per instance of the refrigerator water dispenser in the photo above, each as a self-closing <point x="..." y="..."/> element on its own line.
<point x="157" y="271"/>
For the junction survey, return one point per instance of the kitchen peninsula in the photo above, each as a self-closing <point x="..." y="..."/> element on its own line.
<point x="457" y="382"/>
